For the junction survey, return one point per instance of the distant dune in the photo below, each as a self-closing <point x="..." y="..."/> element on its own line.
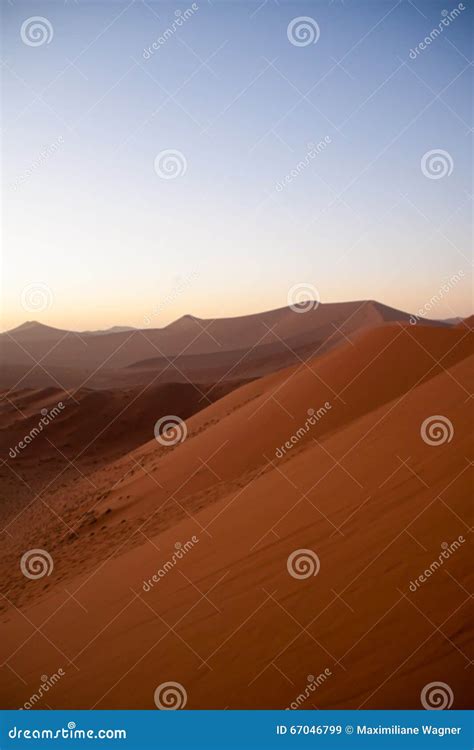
<point x="38" y="356"/>
<point x="335" y="456"/>
<point x="191" y="335"/>
<point x="467" y="322"/>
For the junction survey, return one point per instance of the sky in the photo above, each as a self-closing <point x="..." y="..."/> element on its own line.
<point x="210" y="158"/>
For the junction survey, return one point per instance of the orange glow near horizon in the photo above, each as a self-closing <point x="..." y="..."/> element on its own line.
<point x="40" y="304"/>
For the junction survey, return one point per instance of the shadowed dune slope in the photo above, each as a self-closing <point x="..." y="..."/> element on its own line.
<point x="100" y="425"/>
<point x="48" y="436"/>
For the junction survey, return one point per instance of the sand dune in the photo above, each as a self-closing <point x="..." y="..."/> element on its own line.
<point x="191" y="335"/>
<point x="261" y="416"/>
<point x="223" y="366"/>
<point x="83" y="432"/>
<point x="125" y="417"/>
<point x="359" y="486"/>
<point x="49" y="433"/>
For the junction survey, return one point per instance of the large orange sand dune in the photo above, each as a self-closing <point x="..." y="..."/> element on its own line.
<point x="361" y="489"/>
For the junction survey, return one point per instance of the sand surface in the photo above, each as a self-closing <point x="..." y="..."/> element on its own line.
<point x="326" y="456"/>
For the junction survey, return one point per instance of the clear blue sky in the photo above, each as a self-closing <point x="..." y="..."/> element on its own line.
<point x="111" y="241"/>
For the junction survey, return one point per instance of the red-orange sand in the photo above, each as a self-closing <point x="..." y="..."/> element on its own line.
<point x="359" y="488"/>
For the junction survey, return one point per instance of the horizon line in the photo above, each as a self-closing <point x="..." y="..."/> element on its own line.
<point x="313" y="302"/>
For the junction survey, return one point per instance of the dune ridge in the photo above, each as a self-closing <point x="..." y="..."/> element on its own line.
<point x="192" y="335"/>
